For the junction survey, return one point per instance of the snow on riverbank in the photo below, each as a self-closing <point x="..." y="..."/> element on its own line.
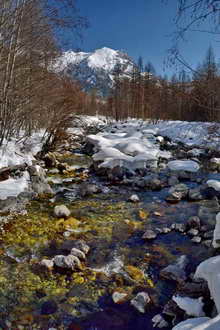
<point x="18" y="151"/>
<point x="197" y="134"/>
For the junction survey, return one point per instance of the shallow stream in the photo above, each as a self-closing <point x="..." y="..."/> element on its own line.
<point x="119" y="259"/>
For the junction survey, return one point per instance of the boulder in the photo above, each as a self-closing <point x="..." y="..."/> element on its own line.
<point x="69" y="262"/>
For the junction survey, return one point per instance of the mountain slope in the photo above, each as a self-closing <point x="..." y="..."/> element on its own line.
<point x="94" y="70"/>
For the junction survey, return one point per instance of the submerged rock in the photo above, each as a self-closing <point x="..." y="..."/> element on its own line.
<point x="61" y="211"/>
<point x="141" y="301"/>
<point x="177" y="193"/>
<point x="176" y="271"/>
<point x="88" y="189"/>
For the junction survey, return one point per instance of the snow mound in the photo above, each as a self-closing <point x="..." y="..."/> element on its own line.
<point x="183" y="165"/>
<point x="130" y="146"/>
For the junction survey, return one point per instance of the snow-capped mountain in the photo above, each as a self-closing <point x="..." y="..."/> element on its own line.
<point x="95" y="70"/>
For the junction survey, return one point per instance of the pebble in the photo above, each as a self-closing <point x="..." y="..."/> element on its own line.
<point x="134" y="199"/>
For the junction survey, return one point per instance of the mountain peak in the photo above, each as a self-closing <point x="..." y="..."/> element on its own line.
<point x="94" y="70"/>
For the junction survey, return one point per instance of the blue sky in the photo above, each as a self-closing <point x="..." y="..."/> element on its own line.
<point x="141" y="28"/>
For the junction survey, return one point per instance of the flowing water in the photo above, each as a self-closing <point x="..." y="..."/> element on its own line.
<point x="119" y="259"/>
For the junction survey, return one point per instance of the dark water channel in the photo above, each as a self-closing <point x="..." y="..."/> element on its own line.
<point x="113" y="228"/>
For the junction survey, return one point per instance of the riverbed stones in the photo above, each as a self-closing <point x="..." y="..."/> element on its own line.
<point x="177" y="192"/>
<point x="61" y="211"/>
<point x="195" y="194"/>
<point x="86" y="189"/>
<point x="176" y="271"/>
<point x="173" y="180"/>
<point x="141" y="301"/>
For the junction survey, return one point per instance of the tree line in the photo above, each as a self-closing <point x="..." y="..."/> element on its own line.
<point x="194" y="97"/>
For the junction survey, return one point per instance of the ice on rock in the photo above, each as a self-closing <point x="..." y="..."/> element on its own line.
<point x="183" y="165"/>
<point x="192" y="307"/>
